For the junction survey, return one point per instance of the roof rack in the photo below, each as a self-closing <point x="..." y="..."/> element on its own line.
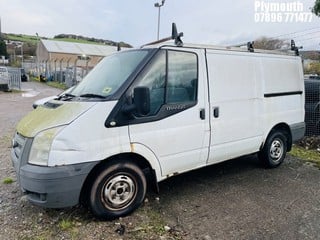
<point x="250" y="48"/>
<point x="174" y="36"/>
<point x="293" y="50"/>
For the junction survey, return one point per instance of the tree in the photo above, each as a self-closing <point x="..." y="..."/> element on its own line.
<point x="270" y="43"/>
<point x="3" y="48"/>
<point x="316" y="8"/>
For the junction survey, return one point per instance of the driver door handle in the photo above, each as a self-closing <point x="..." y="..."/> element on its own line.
<point x="202" y="114"/>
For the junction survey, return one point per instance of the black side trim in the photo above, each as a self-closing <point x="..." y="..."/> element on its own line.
<point x="122" y="119"/>
<point x="267" y="95"/>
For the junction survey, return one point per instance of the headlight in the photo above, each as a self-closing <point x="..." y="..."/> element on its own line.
<point x="41" y="145"/>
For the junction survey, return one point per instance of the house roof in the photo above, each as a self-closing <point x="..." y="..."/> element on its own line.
<point x="78" y="48"/>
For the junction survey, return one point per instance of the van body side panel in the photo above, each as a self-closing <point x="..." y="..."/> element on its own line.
<point x="148" y="154"/>
<point x="283" y="92"/>
<point x="236" y="91"/>
<point x="297" y="131"/>
<point x="179" y="141"/>
<point x="88" y="140"/>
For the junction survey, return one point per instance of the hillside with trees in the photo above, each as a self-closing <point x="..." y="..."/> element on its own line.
<point x="82" y="39"/>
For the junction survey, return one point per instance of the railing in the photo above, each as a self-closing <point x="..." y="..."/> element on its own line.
<point x="14" y="78"/>
<point x="312" y="107"/>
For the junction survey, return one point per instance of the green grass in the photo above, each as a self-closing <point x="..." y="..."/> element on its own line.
<point x="57" y="85"/>
<point x="22" y="38"/>
<point x="312" y="156"/>
<point x="7" y="180"/>
<point x="34" y="39"/>
<point x="152" y="225"/>
<point x="70" y="227"/>
<point x="76" y="40"/>
<point x="54" y="84"/>
<point x="66" y="224"/>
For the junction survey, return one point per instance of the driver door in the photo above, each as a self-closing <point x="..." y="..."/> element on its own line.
<point x="176" y="129"/>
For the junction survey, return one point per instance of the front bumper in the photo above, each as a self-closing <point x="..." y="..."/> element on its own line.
<point x="54" y="187"/>
<point x="50" y="187"/>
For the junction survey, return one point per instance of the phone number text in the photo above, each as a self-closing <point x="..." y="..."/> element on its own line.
<point x="282" y="17"/>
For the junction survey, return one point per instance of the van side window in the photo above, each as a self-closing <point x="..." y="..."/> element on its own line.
<point x="182" y="77"/>
<point x="154" y="78"/>
<point x="172" y="77"/>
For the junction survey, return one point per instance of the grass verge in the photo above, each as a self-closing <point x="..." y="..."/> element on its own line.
<point x="54" y="84"/>
<point x="312" y="156"/>
<point x="57" y="85"/>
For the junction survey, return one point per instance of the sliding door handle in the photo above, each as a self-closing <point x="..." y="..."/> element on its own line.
<point x="215" y="112"/>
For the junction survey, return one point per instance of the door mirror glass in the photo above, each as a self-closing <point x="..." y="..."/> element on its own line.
<point x="141" y="98"/>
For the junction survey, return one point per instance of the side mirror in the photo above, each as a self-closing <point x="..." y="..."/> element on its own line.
<point x="141" y="98"/>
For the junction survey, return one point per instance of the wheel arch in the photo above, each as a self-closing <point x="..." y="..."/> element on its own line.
<point x="283" y="127"/>
<point x="137" y="159"/>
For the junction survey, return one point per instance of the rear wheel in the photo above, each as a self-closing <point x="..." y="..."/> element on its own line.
<point x="274" y="150"/>
<point x="117" y="190"/>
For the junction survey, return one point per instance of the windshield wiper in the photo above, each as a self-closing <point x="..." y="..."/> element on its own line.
<point x="65" y="96"/>
<point x="92" y="95"/>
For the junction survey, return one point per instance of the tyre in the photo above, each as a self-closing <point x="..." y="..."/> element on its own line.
<point x="274" y="150"/>
<point x="117" y="190"/>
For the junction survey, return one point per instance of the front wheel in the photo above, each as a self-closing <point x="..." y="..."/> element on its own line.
<point x="117" y="190"/>
<point x="274" y="150"/>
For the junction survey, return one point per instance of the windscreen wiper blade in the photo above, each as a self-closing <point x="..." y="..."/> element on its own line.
<point x="92" y="95"/>
<point x="65" y="96"/>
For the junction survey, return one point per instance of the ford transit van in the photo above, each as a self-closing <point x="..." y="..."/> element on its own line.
<point x="144" y="115"/>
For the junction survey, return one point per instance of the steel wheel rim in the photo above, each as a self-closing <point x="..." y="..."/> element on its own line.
<point x="276" y="150"/>
<point x="118" y="192"/>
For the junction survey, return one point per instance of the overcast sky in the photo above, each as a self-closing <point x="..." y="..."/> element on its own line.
<point x="219" y="22"/>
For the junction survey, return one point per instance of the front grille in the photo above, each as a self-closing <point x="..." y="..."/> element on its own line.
<point x="18" y="144"/>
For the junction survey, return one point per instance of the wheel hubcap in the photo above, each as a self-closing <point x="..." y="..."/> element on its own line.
<point x="276" y="150"/>
<point x="119" y="191"/>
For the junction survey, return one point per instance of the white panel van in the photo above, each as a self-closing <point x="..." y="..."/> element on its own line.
<point x="4" y="78"/>
<point x="143" y="115"/>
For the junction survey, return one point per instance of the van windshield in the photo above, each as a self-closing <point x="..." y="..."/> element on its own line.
<point x="109" y="75"/>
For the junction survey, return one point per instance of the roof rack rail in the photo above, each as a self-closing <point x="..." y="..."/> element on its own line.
<point x="174" y="36"/>
<point x="250" y="47"/>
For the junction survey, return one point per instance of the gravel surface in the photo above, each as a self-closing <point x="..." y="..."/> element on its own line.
<point x="237" y="199"/>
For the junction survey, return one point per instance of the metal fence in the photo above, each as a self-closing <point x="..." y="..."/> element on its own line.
<point x="64" y="70"/>
<point x="312" y="106"/>
<point x="14" y="81"/>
